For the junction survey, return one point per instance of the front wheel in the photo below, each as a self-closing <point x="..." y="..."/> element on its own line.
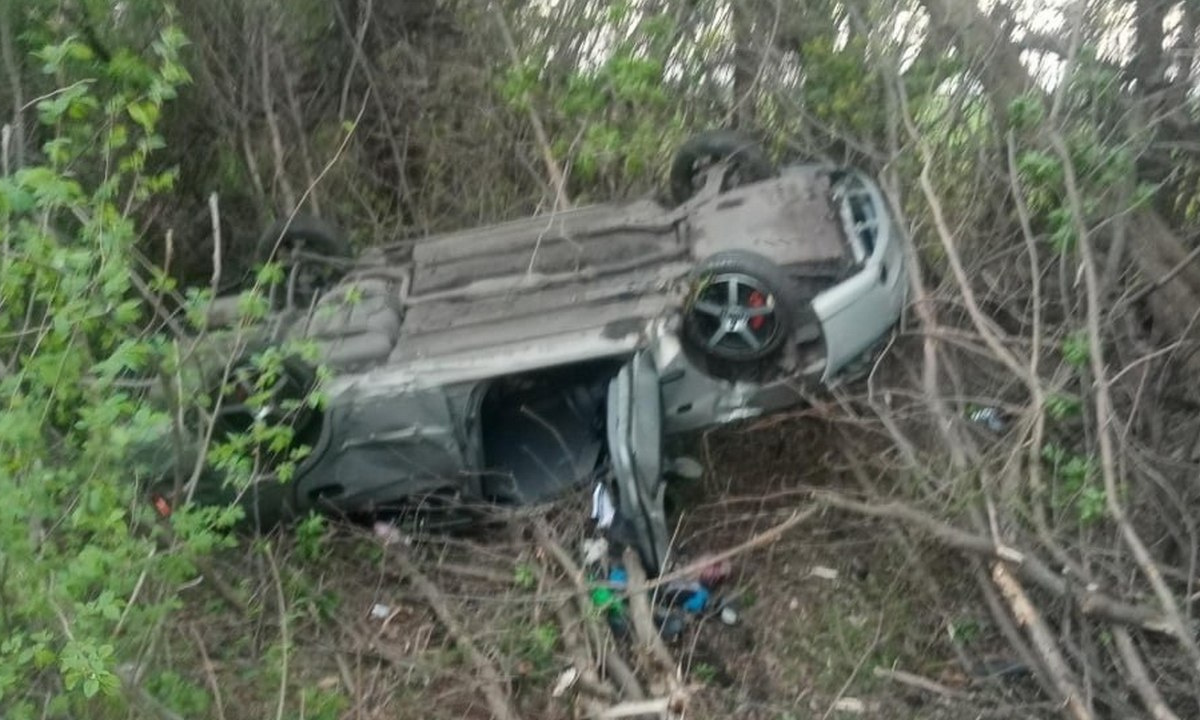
<point x="741" y="307"/>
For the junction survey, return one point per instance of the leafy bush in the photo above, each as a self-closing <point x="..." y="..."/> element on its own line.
<point x="82" y="560"/>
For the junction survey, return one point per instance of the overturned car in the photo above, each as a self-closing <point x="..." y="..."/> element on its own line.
<point x="509" y="363"/>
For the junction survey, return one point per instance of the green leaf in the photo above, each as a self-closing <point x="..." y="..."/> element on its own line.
<point x="1061" y="407"/>
<point x="1076" y="349"/>
<point x="1026" y="112"/>
<point x="144" y="113"/>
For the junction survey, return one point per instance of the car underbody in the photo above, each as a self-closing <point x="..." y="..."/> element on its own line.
<point x="509" y="363"/>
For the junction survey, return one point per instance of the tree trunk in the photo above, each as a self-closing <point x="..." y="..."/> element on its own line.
<point x="745" y="63"/>
<point x="996" y="59"/>
<point x="1147" y="67"/>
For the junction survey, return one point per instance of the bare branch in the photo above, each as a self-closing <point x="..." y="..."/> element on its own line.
<point x="1043" y="640"/>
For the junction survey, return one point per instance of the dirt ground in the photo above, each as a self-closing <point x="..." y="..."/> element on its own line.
<point x="836" y="620"/>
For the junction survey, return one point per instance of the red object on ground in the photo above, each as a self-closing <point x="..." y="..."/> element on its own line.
<point x="715" y="573"/>
<point x="162" y="506"/>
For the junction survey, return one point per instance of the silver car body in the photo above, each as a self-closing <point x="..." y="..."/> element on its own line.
<point x="418" y="333"/>
<point x="604" y="281"/>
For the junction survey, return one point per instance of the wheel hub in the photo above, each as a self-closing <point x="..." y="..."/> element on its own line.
<point x="737" y="311"/>
<point x="733" y="320"/>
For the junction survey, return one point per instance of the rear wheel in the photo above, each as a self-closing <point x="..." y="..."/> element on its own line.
<point x="745" y="162"/>
<point x="271" y="392"/>
<point x="308" y="248"/>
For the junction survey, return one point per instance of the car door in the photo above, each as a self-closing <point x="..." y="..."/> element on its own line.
<point x="385" y="449"/>
<point x="635" y="441"/>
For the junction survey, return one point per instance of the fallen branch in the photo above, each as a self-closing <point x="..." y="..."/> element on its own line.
<point x="588" y="678"/>
<point x="1009" y="629"/>
<point x="642" y="616"/>
<point x="492" y="684"/>
<point x="1089" y="600"/>
<point x="1139" y="678"/>
<point x="920" y="683"/>
<point x="1104" y="421"/>
<point x="637" y="708"/>
<point x="1039" y="633"/>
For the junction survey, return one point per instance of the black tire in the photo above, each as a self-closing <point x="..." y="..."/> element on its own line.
<point x="297" y="380"/>
<point x="723" y="330"/>
<point x="304" y="231"/>
<point x="748" y="162"/>
<point x="310" y="234"/>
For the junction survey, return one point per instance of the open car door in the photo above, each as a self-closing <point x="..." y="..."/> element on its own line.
<point x="635" y="442"/>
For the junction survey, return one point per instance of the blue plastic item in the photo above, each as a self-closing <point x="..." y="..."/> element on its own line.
<point x="697" y="601"/>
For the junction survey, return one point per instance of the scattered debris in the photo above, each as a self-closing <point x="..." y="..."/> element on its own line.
<point x="715" y="573"/>
<point x="991" y="418"/>
<point x="825" y="573"/>
<point x="606" y="599"/>
<point x="729" y="615"/>
<point x="594" y="550"/>
<point x="565" y="682"/>
<point x="603" y="509"/>
<point x="389" y="533"/>
<point x="670" y="624"/>
<point x="850" y="705"/>
<point x="379" y="611"/>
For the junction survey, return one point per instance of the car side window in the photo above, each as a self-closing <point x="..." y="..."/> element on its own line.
<point x="863" y="215"/>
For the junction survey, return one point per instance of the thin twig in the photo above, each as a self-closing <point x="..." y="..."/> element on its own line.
<point x="268" y="103"/>
<point x="557" y="178"/>
<point x="857" y="667"/>
<point x="283" y="631"/>
<point x="214" y="213"/>
<point x="765" y="537"/>
<point x="1140" y="678"/>
<point x="1089" y="600"/>
<point x="209" y="673"/>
